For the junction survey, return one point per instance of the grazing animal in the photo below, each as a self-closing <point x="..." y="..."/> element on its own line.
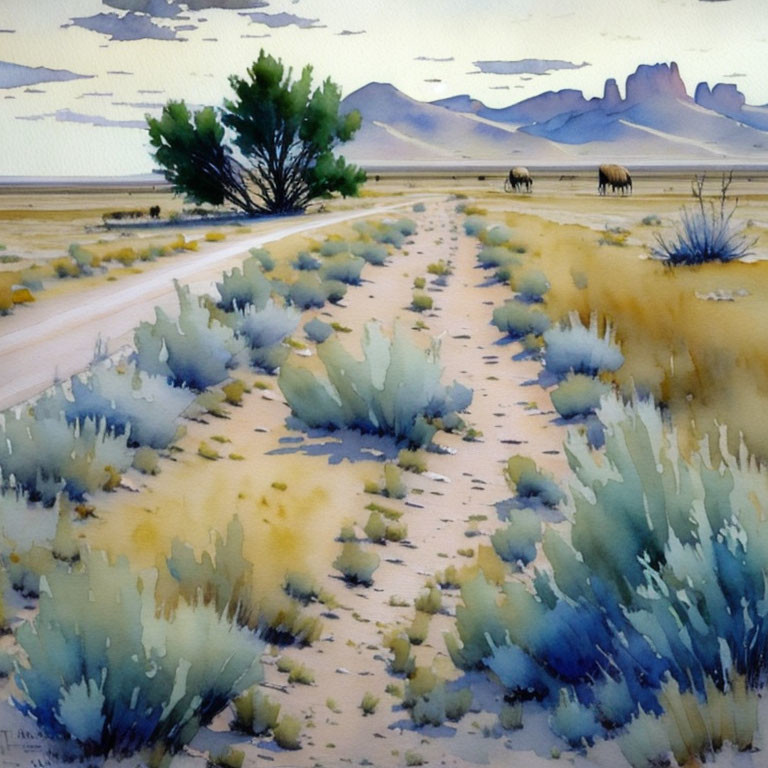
<point x="615" y="175"/>
<point x="518" y="178"/>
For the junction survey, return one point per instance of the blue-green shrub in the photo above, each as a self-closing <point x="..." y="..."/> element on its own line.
<point x="527" y="481"/>
<point x="40" y="456"/>
<point x="107" y="673"/>
<point x="578" y="395"/>
<point x="394" y="390"/>
<point x="264" y="258"/>
<point x="308" y="291"/>
<point x="242" y="287"/>
<point x="306" y="262"/>
<point x="532" y="285"/>
<point x="573" y="348"/>
<point x="194" y="350"/>
<point x="652" y="613"/>
<point x="373" y="253"/>
<point x="343" y="267"/>
<point x="497" y="256"/>
<point x="333" y="247"/>
<point x="317" y="330"/>
<point x="475" y="224"/>
<point x="264" y="331"/>
<point x="517" y="319"/>
<point x="516" y="541"/>
<point x="496" y="235"/>
<point x="128" y="400"/>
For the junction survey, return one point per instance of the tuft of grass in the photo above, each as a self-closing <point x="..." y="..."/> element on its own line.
<point x="287" y="733"/>
<point x="412" y="461"/>
<point x="421" y="302"/>
<point x="234" y="391"/>
<point x="369" y="703"/>
<point x="207" y="452"/>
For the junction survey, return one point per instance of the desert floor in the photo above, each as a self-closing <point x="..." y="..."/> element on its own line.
<point x="294" y="491"/>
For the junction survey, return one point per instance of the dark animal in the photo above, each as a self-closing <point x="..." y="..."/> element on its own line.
<point x="154" y="211"/>
<point x="518" y="178"/>
<point x="617" y="176"/>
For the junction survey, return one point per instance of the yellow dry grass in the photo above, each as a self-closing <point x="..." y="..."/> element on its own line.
<point x="705" y="360"/>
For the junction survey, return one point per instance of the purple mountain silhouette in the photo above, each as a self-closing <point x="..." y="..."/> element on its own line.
<point x="656" y="120"/>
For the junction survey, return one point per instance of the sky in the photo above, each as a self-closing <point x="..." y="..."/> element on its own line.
<point x="77" y="76"/>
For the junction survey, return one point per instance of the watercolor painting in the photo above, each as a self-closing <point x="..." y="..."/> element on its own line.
<point x="383" y="383"/>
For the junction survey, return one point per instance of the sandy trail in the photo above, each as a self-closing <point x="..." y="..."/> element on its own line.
<point x="56" y="338"/>
<point x="452" y="508"/>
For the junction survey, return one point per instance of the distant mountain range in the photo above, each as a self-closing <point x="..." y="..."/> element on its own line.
<point x="657" y="122"/>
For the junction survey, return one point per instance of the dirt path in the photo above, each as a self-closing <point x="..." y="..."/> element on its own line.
<point x="450" y="508"/>
<point x="56" y="338"/>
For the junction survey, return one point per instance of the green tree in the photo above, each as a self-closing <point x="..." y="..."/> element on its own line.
<point x="282" y="139"/>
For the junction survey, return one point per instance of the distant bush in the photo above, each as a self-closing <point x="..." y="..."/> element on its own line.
<point x="333" y="247"/>
<point x="440" y="268"/>
<point x="124" y="679"/>
<point x="307" y="292"/>
<point x="242" y="287"/>
<point x="528" y="482"/>
<point x="432" y="701"/>
<point x="532" y="285"/>
<point x="394" y="390"/>
<point x="706" y="232"/>
<point x="517" y="319"/>
<point x="475" y="224"/>
<point x="404" y="225"/>
<point x="317" y="330"/>
<point x="215" y="237"/>
<point x="497" y="256"/>
<point x="356" y="564"/>
<point x="578" y="395"/>
<point x="419" y="208"/>
<point x="421" y="302"/>
<point x="306" y="262"/>
<point x="194" y="350"/>
<point x="496" y="235"/>
<point x="130" y="401"/>
<point x="263" y="256"/>
<point x="516" y="542"/>
<point x="334" y="290"/>
<point x="373" y="253"/>
<point x="343" y="267"/>
<point x="574" y="348"/>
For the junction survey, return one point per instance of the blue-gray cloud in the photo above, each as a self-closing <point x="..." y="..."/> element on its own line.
<point x="7" y="31"/>
<point x="257" y="37"/>
<point x="131" y="26"/>
<point x="139" y="104"/>
<point x="95" y="94"/>
<point x="282" y="20"/>
<point x="118" y="72"/>
<point x="432" y="58"/>
<point x="346" y="32"/>
<point x="165" y="9"/>
<point x="14" y="75"/>
<point x="526" y="66"/>
<point x="168" y="9"/>
<point x="69" y="116"/>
